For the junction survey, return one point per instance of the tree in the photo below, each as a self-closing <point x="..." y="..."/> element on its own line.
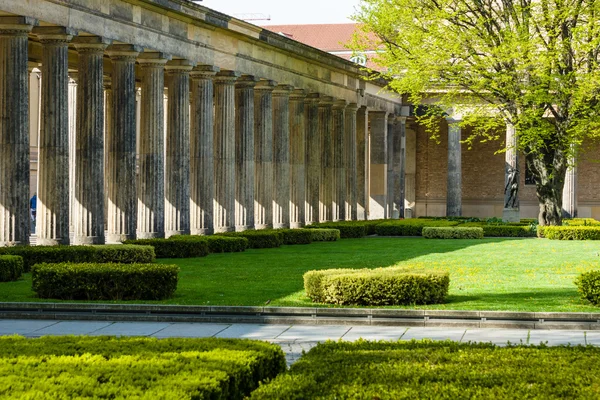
<point x="529" y="63"/>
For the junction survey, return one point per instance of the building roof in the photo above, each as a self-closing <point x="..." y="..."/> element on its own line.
<point x="326" y="37"/>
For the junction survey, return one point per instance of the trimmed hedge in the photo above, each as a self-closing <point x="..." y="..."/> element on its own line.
<point x="588" y="285"/>
<point x="347" y="230"/>
<point x="134" y="368"/>
<point x="125" y="254"/>
<point x="218" y="244"/>
<point x="11" y="268"/>
<point x="410" y="227"/>
<point x="508" y="231"/>
<point x="261" y="239"/>
<point x="452" y="233"/>
<point x="377" y="287"/>
<point x="69" y="281"/>
<point x="569" y="232"/>
<point x="295" y="236"/>
<point x="581" y="222"/>
<point x="176" y="247"/>
<point x="324" y="235"/>
<point x="437" y="370"/>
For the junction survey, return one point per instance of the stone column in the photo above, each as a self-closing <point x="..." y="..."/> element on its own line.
<point x="392" y="212"/>
<point x="177" y="166"/>
<point x="351" y="171"/>
<point x="14" y="131"/>
<point x="263" y="151"/>
<point x="244" y="157"/>
<point x="297" y="159"/>
<point x="313" y="157"/>
<point x="339" y="161"/>
<point x="454" y="193"/>
<point x="570" y="191"/>
<point x="401" y="160"/>
<point x="202" y="176"/>
<point x="121" y="146"/>
<point x="89" y="159"/>
<point x="378" y="169"/>
<point x="326" y="133"/>
<point x="281" y="156"/>
<point x="224" y="148"/>
<point x="52" y="227"/>
<point x="362" y="140"/>
<point x="72" y="145"/>
<point x="151" y="178"/>
<point x="511" y="212"/>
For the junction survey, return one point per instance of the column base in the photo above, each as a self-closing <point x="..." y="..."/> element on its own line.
<point x="202" y="232"/>
<point x="115" y="238"/>
<point x="52" y="242"/>
<point x="168" y="234"/>
<point x="13" y="244"/>
<point x="150" y="235"/>
<point x="281" y="226"/>
<point x="511" y="215"/>
<point x="87" y="240"/>
<point x="242" y="228"/>
<point x="263" y="226"/>
<point x="224" y="229"/>
<point x="296" y="225"/>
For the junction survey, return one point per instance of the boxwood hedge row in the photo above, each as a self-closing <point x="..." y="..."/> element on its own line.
<point x="437" y="370"/>
<point x="90" y="281"/>
<point x="140" y="368"/>
<point x="125" y="254"/>
<point x="176" y="247"/>
<point x="430" y="232"/>
<point x="569" y="232"/>
<point x="218" y="244"/>
<point x="11" y="268"/>
<point x="261" y="239"/>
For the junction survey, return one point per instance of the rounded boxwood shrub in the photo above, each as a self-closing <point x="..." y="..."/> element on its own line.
<point x="218" y="244"/>
<point x="377" y="287"/>
<point x="569" y="232"/>
<point x="588" y="285"/>
<point x="95" y="281"/>
<point x="80" y="254"/>
<point x="261" y="239"/>
<point x="11" y="268"/>
<point x="176" y="247"/>
<point x="324" y="235"/>
<point x="452" y="233"/>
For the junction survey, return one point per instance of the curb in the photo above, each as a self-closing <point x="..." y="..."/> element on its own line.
<point x="301" y="316"/>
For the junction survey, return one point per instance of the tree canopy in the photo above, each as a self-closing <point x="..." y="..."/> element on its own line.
<point x="529" y="63"/>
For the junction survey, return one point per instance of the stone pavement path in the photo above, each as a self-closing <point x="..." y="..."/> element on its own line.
<point x="294" y="339"/>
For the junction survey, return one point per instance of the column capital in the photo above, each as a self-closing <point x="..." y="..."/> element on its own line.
<point x="283" y="90"/>
<point x="154" y="59"/>
<point x="246" y="81"/>
<point x="453" y="120"/>
<point x="325" y="101"/>
<point x="17" y="26"/>
<point x="339" y="104"/>
<point x="379" y="114"/>
<point x="402" y="119"/>
<point x="204" y="71"/>
<point x="298" y="94"/>
<point x="54" y="34"/>
<point x="123" y="52"/>
<point x="91" y="43"/>
<point x="352" y="107"/>
<point x="227" y="77"/>
<point x="312" y="98"/>
<point x="178" y="66"/>
<point x="266" y="85"/>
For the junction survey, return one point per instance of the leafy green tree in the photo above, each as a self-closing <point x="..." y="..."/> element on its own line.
<point x="529" y="63"/>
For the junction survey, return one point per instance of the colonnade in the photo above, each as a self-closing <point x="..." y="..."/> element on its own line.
<point x="230" y="151"/>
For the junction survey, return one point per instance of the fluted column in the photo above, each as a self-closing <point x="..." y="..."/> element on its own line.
<point x="244" y="157"/>
<point x="121" y="146"/>
<point x="401" y="190"/>
<point x="151" y="178"/>
<point x="263" y="152"/>
<point x="511" y="211"/>
<point x="392" y="212"/>
<point x="339" y="160"/>
<point x="378" y="169"/>
<point x="326" y="184"/>
<point x="14" y="131"/>
<point x="89" y="159"/>
<point x="72" y="145"/>
<point x="297" y="159"/>
<point x="351" y="172"/>
<point x="177" y="166"/>
<point x="313" y="157"/>
<point x="52" y="226"/>
<point x="202" y="177"/>
<point x="281" y="156"/>
<point x="362" y="146"/>
<point x="224" y="145"/>
<point x="454" y="192"/>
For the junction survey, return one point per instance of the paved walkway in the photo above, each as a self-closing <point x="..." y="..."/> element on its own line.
<point x="294" y="338"/>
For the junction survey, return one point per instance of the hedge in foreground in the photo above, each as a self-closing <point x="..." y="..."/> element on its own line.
<point x="125" y="254"/>
<point x="176" y="247"/>
<point x="569" y="232"/>
<point x="438" y="370"/>
<point x="410" y="227"/>
<point x="452" y="233"/>
<point x="141" y="368"/>
<point x="588" y="286"/>
<point x="70" y="281"/>
<point x="218" y="244"/>
<point x="324" y="235"/>
<point x="261" y="239"/>
<point x="354" y="230"/>
<point x="11" y="268"/>
<point x="377" y="287"/>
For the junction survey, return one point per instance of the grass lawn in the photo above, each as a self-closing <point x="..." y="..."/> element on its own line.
<point x="489" y="274"/>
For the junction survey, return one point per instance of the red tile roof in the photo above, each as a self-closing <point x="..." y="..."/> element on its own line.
<point x="326" y="37"/>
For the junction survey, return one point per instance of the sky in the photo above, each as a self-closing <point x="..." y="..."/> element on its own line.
<point x="287" y="11"/>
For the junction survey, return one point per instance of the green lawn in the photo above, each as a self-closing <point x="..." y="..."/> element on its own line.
<point x="489" y="274"/>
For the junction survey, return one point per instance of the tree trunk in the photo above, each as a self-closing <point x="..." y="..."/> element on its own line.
<point x="549" y="169"/>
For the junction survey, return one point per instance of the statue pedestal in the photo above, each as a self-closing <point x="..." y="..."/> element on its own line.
<point x="511" y="215"/>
